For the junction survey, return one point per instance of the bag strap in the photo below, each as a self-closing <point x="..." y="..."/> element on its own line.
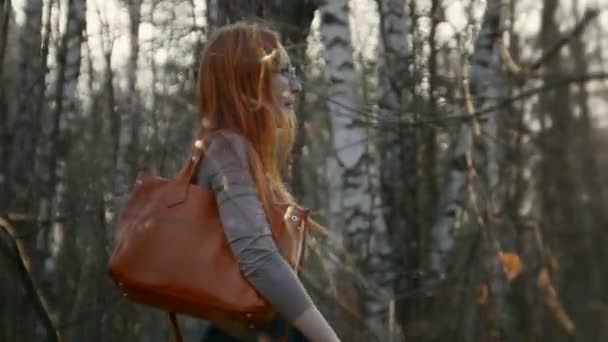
<point x="175" y="327"/>
<point x="303" y="232"/>
<point x="197" y="154"/>
<point x="185" y="175"/>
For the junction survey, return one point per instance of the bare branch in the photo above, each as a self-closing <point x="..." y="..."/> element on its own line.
<point x="15" y="252"/>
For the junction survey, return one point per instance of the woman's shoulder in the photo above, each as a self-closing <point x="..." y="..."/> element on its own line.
<point x="224" y="152"/>
<point x="227" y="143"/>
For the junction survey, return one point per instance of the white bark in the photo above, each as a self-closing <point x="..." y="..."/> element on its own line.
<point x="397" y="151"/>
<point x="487" y="83"/>
<point x="450" y="205"/>
<point x="64" y="115"/>
<point x="128" y="131"/>
<point x="394" y="53"/>
<point x="351" y="205"/>
<point x="340" y="71"/>
<point x="31" y="89"/>
<point x="489" y="89"/>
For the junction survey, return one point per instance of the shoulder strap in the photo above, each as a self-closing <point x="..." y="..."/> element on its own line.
<point x="175" y="327"/>
<point x="302" y="232"/>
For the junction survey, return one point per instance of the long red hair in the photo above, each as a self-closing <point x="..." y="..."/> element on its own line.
<point x="235" y="93"/>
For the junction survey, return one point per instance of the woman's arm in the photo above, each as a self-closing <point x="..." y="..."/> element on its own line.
<point x="225" y="170"/>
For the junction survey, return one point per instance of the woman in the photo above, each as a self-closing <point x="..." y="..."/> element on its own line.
<point x="247" y="90"/>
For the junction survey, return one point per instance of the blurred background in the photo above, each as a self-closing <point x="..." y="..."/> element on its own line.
<point x="456" y="150"/>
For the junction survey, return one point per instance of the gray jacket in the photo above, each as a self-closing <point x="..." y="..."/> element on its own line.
<point x="225" y="170"/>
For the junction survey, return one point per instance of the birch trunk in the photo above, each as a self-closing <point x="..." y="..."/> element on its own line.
<point x="126" y="154"/>
<point x="110" y="127"/>
<point x="398" y="155"/>
<point x="451" y="205"/>
<point x="554" y="186"/>
<point x="449" y="215"/>
<point x="31" y="88"/>
<point x="562" y="196"/>
<point x="132" y="98"/>
<point x="62" y="120"/>
<point x="588" y="173"/>
<point x="23" y="117"/>
<point x="220" y="13"/>
<point x="489" y="89"/>
<point x="5" y="18"/>
<point x="351" y="207"/>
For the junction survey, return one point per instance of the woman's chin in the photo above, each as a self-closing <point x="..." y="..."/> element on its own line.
<point x="288" y="108"/>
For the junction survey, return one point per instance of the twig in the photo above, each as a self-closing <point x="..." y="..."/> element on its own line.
<point x="15" y="252"/>
<point x="590" y="14"/>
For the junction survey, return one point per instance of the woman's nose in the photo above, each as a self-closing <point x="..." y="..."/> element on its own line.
<point x="295" y="85"/>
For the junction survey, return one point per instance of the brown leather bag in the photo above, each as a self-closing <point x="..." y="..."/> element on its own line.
<point x="171" y="252"/>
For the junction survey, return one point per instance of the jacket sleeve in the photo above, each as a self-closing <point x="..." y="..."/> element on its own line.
<point x="225" y="170"/>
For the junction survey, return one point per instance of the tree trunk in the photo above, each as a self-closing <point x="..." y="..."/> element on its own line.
<point x="65" y="109"/>
<point x="489" y="89"/>
<point x="350" y="202"/>
<point x="451" y="205"/>
<point x="590" y="197"/>
<point x="127" y="149"/>
<point x="110" y="128"/>
<point x="397" y="149"/>
<point x="5" y="18"/>
<point x="22" y="151"/>
<point x="220" y="13"/>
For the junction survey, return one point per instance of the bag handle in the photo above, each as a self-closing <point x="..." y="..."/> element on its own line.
<point x="196" y="155"/>
<point x="185" y="175"/>
<point x="302" y="232"/>
<point x="175" y="327"/>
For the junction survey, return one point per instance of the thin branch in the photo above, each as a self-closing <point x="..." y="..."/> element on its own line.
<point x="16" y="253"/>
<point x="590" y="14"/>
<point x="363" y="117"/>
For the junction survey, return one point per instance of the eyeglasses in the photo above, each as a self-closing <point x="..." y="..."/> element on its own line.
<point x="289" y="72"/>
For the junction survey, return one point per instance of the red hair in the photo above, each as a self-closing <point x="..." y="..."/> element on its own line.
<point x="235" y="93"/>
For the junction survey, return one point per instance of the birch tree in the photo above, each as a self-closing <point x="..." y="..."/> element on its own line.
<point x="561" y="197"/>
<point x="475" y="165"/>
<point x="450" y="206"/>
<point x="350" y="199"/>
<point x="22" y="114"/>
<point x="22" y="151"/>
<point x="220" y="13"/>
<point x="397" y="146"/>
<point x="5" y="18"/>
<point x="588" y="177"/>
<point x="63" y="117"/>
<point x="129" y="118"/>
<point x="488" y="90"/>
<point x="109" y="124"/>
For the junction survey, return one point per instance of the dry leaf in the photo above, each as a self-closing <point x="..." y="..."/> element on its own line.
<point x="512" y="264"/>
<point x="481" y="292"/>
